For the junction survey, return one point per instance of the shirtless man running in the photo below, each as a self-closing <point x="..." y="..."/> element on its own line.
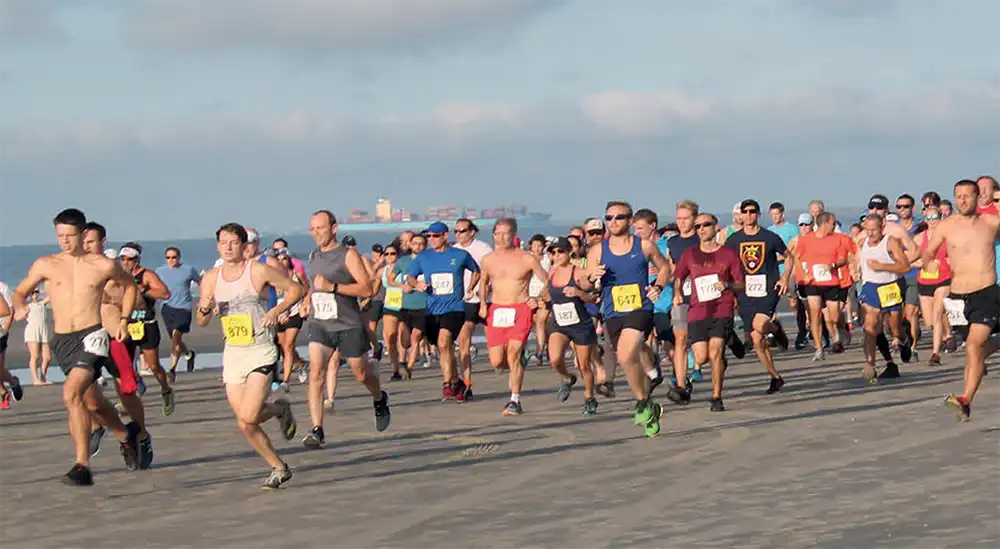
<point x="80" y="343"/>
<point x="970" y="238"/>
<point x="507" y="271"/>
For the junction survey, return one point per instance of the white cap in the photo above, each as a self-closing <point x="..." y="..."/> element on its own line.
<point x="128" y="252"/>
<point x="252" y="235"/>
<point x="737" y="209"/>
<point x="111" y="253"/>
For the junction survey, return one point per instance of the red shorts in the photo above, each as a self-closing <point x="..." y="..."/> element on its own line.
<point x="124" y="363"/>
<point x="516" y="323"/>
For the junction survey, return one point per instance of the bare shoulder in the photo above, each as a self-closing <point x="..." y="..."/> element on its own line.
<point x="991" y="219"/>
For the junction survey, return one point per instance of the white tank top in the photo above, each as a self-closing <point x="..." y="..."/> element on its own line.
<point x="879" y="252"/>
<point x="241" y="310"/>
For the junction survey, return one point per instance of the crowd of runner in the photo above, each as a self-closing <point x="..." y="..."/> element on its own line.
<point x="623" y="290"/>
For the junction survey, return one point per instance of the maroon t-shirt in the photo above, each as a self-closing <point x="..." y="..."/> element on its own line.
<point x="722" y="265"/>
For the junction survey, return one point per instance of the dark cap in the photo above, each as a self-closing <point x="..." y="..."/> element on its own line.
<point x="749" y="202"/>
<point x="377" y="248"/>
<point x="349" y="241"/>
<point x="561" y="243"/>
<point x="878" y="202"/>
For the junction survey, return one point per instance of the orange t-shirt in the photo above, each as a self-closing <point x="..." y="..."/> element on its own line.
<point x="850" y="247"/>
<point x="815" y="255"/>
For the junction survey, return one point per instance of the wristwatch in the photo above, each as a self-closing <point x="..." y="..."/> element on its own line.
<point x="658" y="287"/>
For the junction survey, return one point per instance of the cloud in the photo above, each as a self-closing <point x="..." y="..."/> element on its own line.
<point x="332" y="26"/>
<point x="30" y="22"/>
<point x="648" y="147"/>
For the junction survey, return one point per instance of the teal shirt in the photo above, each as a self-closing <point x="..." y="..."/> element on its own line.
<point x="413" y="300"/>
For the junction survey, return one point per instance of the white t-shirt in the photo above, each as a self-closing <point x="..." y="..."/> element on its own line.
<point x="478" y="250"/>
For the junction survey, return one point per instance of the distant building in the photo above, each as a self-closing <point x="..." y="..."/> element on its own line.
<point x="383" y="210"/>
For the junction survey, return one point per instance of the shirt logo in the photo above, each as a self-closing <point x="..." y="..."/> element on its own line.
<point x="752" y="256"/>
<point x="452" y="261"/>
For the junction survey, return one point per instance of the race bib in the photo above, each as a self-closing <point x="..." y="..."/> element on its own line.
<point x="324" y="306"/>
<point x="394" y="298"/>
<point x="565" y="314"/>
<point x="889" y="295"/>
<point x="503" y="317"/>
<point x="535" y="287"/>
<point x="931" y="274"/>
<point x="442" y="283"/>
<point x="97" y="343"/>
<point x="705" y="285"/>
<point x="238" y="329"/>
<point x="821" y="273"/>
<point x="626" y="298"/>
<point x="137" y="331"/>
<point x="756" y="285"/>
<point x="955" y="309"/>
<point x="686" y="287"/>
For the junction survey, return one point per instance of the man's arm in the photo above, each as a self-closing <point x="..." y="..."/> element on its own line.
<point x="155" y="288"/>
<point x="736" y="272"/>
<point x="19" y="297"/>
<point x="281" y="282"/>
<point x="593" y="266"/>
<point x="131" y="290"/>
<point x="203" y="313"/>
<point x="900" y="262"/>
<point x="484" y="278"/>
<point x="538" y="271"/>
<point x="935" y="242"/>
<point x="652" y="252"/>
<point x="362" y="285"/>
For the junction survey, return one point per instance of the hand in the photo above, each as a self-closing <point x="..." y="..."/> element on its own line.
<point x="532" y="303"/>
<point x="206" y="302"/>
<point x="270" y="318"/>
<point x="406" y="288"/>
<point x="721" y="286"/>
<point x="470" y="294"/>
<point x="653" y="293"/>
<point x="781" y="286"/>
<point x="421" y="286"/>
<point x="283" y="318"/>
<point x="678" y="299"/>
<point x="483" y="310"/>
<point x="596" y="273"/>
<point x="305" y="307"/>
<point x="121" y="332"/>
<point x="572" y="291"/>
<point x="322" y="284"/>
<point x="364" y="302"/>
<point x="20" y="314"/>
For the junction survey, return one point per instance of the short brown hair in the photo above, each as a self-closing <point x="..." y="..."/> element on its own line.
<point x="620" y="203"/>
<point x="647" y="215"/>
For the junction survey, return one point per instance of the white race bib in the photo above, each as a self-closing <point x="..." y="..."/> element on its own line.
<point x="686" y="287"/>
<point x="565" y="314"/>
<point x="503" y="317"/>
<point x="756" y="285"/>
<point x="324" y="306"/>
<point x="97" y="343"/>
<point x="705" y="285"/>
<point x="442" y="283"/>
<point x="821" y="273"/>
<point x="955" y="309"/>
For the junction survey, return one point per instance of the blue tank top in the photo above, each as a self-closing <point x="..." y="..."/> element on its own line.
<point x="272" y="294"/>
<point x="623" y="287"/>
<point x="563" y="316"/>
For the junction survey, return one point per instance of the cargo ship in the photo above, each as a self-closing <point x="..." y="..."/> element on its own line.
<point x="388" y="219"/>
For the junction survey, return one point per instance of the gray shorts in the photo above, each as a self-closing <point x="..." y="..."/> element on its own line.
<point x="352" y="343"/>
<point x="912" y="296"/>
<point x="679" y="317"/>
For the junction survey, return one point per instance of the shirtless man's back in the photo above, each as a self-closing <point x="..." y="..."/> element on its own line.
<point x="80" y="343"/>
<point x="507" y="272"/>
<point x="970" y="238"/>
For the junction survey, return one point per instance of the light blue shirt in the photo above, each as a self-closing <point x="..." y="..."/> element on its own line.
<point x="178" y="281"/>
<point x="787" y="231"/>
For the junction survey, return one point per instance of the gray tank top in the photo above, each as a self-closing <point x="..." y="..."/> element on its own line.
<point x="335" y="312"/>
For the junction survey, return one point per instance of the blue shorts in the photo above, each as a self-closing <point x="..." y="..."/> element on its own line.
<point x="869" y="295"/>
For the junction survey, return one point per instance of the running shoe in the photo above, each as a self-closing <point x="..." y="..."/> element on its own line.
<point x="277" y="478"/>
<point x="383" y="416"/>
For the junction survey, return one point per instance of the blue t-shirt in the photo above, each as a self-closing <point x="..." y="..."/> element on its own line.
<point x="787" y="231"/>
<point x="444" y="273"/>
<point x="414" y="300"/>
<point x="666" y="300"/>
<point x="178" y="281"/>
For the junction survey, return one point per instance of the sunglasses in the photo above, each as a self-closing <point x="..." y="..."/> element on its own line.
<point x="462" y="231"/>
<point x="751" y="211"/>
<point x="933" y="217"/>
<point x="173" y="257"/>
<point x="805" y="224"/>
<point x="390" y="253"/>
<point x="995" y="200"/>
<point x="617" y="217"/>
<point x="703" y="225"/>
<point x="903" y="206"/>
<point x="595" y="233"/>
<point x="435" y="235"/>
<point x="557" y="251"/>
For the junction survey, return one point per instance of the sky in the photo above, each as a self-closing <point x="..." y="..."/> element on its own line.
<point x="165" y="119"/>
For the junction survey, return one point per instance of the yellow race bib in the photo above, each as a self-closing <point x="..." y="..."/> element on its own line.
<point x="393" y="299"/>
<point x="889" y="295"/>
<point x="626" y="298"/>
<point x="137" y="331"/>
<point x="930" y="274"/>
<point x="238" y="329"/>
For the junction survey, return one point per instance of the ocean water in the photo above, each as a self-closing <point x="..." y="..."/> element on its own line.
<point x="15" y="261"/>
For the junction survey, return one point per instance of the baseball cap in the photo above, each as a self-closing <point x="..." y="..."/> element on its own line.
<point x="892" y="217"/>
<point x="561" y="243"/>
<point x="130" y="250"/>
<point x="377" y="248"/>
<point x="349" y="241"/>
<point x="437" y="227"/>
<point x="805" y="219"/>
<point x="252" y="235"/>
<point x="737" y="209"/>
<point x="878" y="202"/>
<point x="111" y="253"/>
<point x="593" y="224"/>
<point x="749" y="202"/>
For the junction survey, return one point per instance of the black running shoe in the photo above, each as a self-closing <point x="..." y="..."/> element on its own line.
<point x="780" y="337"/>
<point x="146" y="452"/>
<point x="286" y="418"/>
<point x="656" y="381"/>
<point x="776" y="384"/>
<point x="315" y="439"/>
<point x="396" y="376"/>
<point x="590" y="406"/>
<point x="130" y="446"/>
<point x="383" y="416"/>
<point x="95" y="440"/>
<point x="891" y="371"/>
<point x="906" y="350"/>
<point x="79" y="475"/>
<point x="736" y="346"/>
<point x="190" y="360"/>
<point x="717" y="405"/>
<point x="679" y="396"/>
<point x="172" y="376"/>
<point x="16" y="389"/>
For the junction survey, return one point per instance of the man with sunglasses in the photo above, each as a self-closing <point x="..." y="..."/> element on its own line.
<point x="621" y="264"/>
<point x="905" y="205"/>
<point x="444" y="267"/>
<point x="715" y="275"/>
<point x="879" y="204"/>
<point x="759" y="252"/>
<point x="176" y="310"/>
<point x="465" y="239"/>
<point x="970" y="237"/>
